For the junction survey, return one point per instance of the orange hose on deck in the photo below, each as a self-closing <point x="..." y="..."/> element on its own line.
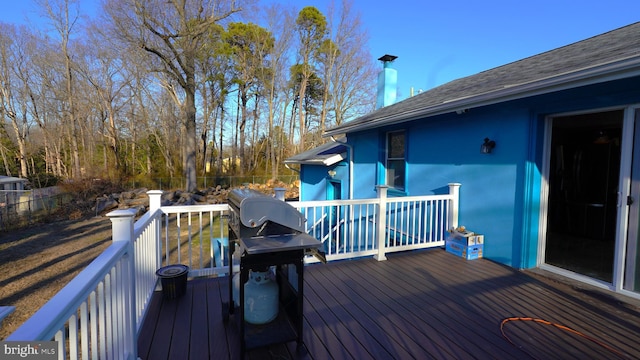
<point x="561" y="327"/>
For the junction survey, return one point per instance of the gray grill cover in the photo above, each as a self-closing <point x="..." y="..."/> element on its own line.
<point x="255" y="208"/>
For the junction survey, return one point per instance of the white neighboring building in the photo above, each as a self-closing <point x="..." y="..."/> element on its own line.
<point x="12" y="183"/>
<point x="11" y="190"/>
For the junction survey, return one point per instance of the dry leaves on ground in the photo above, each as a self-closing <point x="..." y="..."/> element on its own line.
<point x="36" y="262"/>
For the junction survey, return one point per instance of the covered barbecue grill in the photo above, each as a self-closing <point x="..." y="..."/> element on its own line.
<point x="268" y="233"/>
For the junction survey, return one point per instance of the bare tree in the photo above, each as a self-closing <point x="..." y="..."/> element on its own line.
<point x="172" y="33"/>
<point x="213" y="65"/>
<point x="249" y="46"/>
<point x="312" y="29"/>
<point x="124" y="101"/>
<point x="353" y="74"/>
<point x="280" y="23"/>
<point x="43" y="82"/>
<point x="103" y="70"/>
<point x="64" y="16"/>
<point x="9" y="101"/>
<point x="3" y="151"/>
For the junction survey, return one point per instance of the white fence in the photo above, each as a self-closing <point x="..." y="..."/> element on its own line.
<point x="100" y="312"/>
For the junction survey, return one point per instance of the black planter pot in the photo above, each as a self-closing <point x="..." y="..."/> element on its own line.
<point x="174" y="280"/>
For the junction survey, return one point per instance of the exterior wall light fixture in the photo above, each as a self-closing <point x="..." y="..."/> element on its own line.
<point x="487" y="146"/>
<point x="331" y="173"/>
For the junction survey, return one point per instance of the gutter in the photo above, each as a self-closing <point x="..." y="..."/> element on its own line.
<point x="615" y="70"/>
<point x="350" y="165"/>
<point x="290" y="168"/>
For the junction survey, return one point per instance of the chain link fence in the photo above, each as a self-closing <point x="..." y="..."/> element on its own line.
<point x="206" y="182"/>
<point x="20" y="207"/>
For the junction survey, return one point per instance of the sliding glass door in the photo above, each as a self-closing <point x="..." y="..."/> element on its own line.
<point x="584" y="176"/>
<point x="631" y="280"/>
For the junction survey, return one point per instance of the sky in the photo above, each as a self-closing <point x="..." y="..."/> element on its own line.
<point x="440" y="41"/>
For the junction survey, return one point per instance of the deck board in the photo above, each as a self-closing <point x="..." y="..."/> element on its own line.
<point x="216" y="329"/>
<point x="182" y="325"/>
<point x="160" y="344"/>
<point x="421" y="304"/>
<point x="454" y="324"/>
<point x="150" y="321"/>
<point x="443" y="327"/>
<point x="376" y="316"/>
<point x="199" y="339"/>
<point x="401" y="317"/>
<point x="455" y="320"/>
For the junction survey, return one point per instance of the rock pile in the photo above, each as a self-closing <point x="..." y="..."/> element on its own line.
<point x="138" y="198"/>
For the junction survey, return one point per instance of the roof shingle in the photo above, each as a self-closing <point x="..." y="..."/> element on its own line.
<point x="607" y="48"/>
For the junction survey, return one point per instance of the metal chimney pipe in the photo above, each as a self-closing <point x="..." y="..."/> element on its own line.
<point x="387" y="82"/>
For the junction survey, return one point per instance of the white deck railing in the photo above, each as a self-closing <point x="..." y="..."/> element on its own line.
<point x="194" y="236"/>
<point x="354" y="228"/>
<point x="99" y="313"/>
<point x="92" y="316"/>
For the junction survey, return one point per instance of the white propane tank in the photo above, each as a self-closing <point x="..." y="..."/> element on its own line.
<point x="260" y="297"/>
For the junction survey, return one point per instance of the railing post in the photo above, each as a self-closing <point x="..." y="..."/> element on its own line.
<point x="155" y="202"/>
<point x="122" y="224"/>
<point x="122" y="229"/>
<point x="279" y="193"/>
<point x="454" y="191"/>
<point x="381" y="222"/>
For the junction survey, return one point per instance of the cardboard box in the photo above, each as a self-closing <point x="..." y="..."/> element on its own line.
<point x="469" y="237"/>
<point x="458" y="233"/>
<point x="467" y="246"/>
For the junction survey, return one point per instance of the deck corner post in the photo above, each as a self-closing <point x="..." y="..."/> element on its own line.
<point x="454" y="191"/>
<point x="122" y="224"/>
<point x="381" y="222"/>
<point x="155" y="203"/>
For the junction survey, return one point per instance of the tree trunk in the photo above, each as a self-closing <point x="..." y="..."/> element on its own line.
<point x="7" y="170"/>
<point x="190" y="127"/>
<point x="73" y="126"/>
<point x="21" y="140"/>
<point x="113" y="137"/>
<point x="301" y="96"/>
<point x="272" y="140"/>
<point x="220" y="154"/>
<point x="241" y="132"/>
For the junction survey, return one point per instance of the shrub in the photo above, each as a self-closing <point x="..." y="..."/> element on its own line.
<point x="43" y="180"/>
<point x="89" y="189"/>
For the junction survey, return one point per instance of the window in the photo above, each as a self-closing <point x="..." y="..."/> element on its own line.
<point x="395" y="162"/>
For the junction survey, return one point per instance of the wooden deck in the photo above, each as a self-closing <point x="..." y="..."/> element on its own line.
<point x="421" y="304"/>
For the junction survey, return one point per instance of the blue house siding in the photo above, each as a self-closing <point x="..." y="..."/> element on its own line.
<point x="315" y="181"/>
<point x="438" y="154"/>
<point x="367" y="157"/>
<point x="588" y="84"/>
<point x="500" y="194"/>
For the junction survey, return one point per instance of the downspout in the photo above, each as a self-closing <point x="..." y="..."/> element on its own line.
<point x="292" y="169"/>
<point x="350" y="165"/>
